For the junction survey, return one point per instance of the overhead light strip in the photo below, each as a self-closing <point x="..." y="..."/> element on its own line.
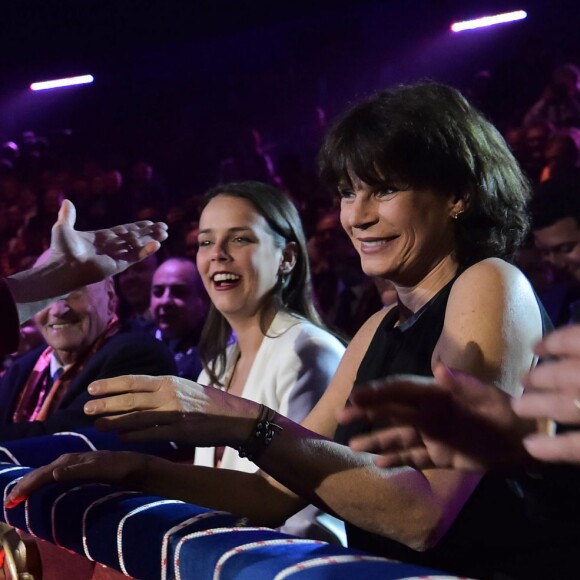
<point x="66" y="82"/>
<point x="488" y="21"/>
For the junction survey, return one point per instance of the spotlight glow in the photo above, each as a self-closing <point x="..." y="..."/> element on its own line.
<point x="488" y="21"/>
<point x="59" y="83"/>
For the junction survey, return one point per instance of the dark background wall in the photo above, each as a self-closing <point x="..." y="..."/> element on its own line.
<point x="176" y="81"/>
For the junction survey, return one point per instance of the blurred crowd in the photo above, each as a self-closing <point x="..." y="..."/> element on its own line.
<point x="37" y="173"/>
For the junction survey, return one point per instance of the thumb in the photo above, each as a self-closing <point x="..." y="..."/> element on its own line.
<point x="444" y="375"/>
<point x="148" y="249"/>
<point x="67" y="214"/>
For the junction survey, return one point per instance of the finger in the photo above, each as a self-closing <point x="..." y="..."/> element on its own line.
<point x="159" y="231"/>
<point x="39" y="478"/>
<point x="25" y="486"/>
<point x="562" y="374"/>
<point x="350" y="414"/>
<point x="564" y="448"/>
<point x="563" y="342"/>
<point x="399" y="388"/>
<point x="124" y="384"/>
<point x="386" y="440"/>
<point x="149" y="249"/>
<point x="146" y="225"/>
<point x="67" y="214"/>
<point x="88" y="468"/>
<point x="138" y="420"/>
<point x="417" y="458"/>
<point x="144" y="229"/>
<point x="562" y="407"/>
<point x="125" y="403"/>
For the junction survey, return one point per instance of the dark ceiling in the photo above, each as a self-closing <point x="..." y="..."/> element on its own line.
<point x="175" y="79"/>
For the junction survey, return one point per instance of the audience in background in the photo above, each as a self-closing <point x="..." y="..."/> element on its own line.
<point x="168" y="299"/>
<point x="179" y="306"/>
<point x="134" y="289"/>
<point x="560" y="101"/>
<point x="556" y="231"/>
<point x="36" y="172"/>
<point x="45" y="390"/>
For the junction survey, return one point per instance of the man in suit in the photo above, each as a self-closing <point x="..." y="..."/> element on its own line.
<point x="45" y="390"/>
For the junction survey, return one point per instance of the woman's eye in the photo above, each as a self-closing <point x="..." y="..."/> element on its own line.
<point x="386" y="192"/>
<point x="241" y="240"/>
<point x="345" y="192"/>
<point x="203" y="243"/>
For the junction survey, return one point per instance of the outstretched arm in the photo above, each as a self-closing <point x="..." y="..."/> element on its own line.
<point x="212" y="488"/>
<point x="81" y="258"/>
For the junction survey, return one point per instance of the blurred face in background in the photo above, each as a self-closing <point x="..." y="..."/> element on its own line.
<point x="178" y="299"/>
<point x="559" y="245"/>
<point x="135" y="284"/>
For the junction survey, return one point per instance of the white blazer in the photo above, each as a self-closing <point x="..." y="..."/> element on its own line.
<point x="292" y="369"/>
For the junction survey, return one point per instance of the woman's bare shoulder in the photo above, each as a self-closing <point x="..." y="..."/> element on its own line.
<point x="492" y="273"/>
<point x="492" y="320"/>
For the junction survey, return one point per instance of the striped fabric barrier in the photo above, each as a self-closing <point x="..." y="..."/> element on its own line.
<point x="149" y="537"/>
<point x="37" y="451"/>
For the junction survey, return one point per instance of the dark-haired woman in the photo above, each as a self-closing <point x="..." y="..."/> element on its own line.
<point x="433" y="201"/>
<point x="253" y="262"/>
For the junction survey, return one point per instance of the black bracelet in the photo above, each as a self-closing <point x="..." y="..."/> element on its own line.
<point x="262" y="434"/>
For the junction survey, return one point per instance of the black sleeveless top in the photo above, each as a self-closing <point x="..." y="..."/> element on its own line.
<point x="493" y="535"/>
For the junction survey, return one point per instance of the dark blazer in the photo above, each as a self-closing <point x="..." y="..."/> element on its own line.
<point x="125" y="353"/>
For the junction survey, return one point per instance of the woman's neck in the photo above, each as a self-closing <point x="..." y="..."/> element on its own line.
<point x="250" y="332"/>
<point x="412" y="298"/>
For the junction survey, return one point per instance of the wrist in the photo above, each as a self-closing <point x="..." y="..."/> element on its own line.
<point x="242" y="414"/>
<point x="265" y="428"/>
<point x="49" y="280"/>
<point x="140" y="468"/>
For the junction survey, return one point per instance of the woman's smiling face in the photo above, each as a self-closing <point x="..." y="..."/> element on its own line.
<point x="239" y="256"/>
<point x="400" y="234"/>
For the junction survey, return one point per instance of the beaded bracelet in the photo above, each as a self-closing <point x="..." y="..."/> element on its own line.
<point x="262" y="434"/>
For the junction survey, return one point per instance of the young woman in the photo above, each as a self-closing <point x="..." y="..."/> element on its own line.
<point x="253" y="262"/>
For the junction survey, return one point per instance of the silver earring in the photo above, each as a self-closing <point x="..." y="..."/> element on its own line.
<point x="457" y="214"/>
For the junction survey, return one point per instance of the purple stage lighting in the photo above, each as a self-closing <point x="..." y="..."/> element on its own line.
<point x="488" y="21"/>
<point x="58" y="83"/>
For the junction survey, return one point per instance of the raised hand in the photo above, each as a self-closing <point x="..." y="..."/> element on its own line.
<point x="96" y="255"/>
<point x="170" y="408"/>
<point x="553" y="392"/>
<point x="77" y="259"/>
<point x="452" y="421"/>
